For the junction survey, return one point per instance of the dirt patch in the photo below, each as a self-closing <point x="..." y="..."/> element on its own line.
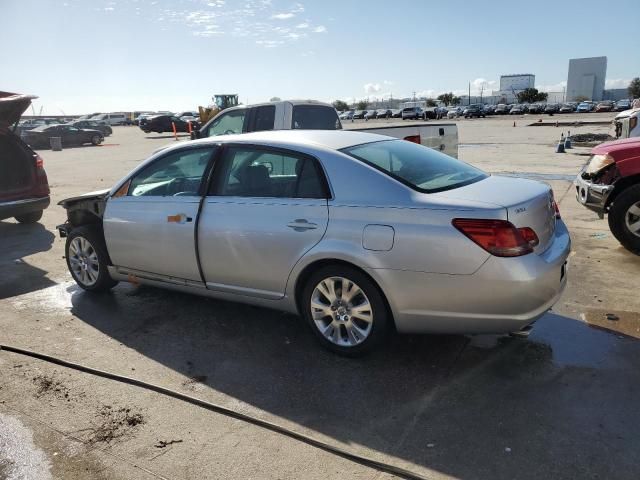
<point x="114" y="423"/>
<point x="620" y="322"/>
<point x="595" y="138"/>
<point x="47" y="385"/>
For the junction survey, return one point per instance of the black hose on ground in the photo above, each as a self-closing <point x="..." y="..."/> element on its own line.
<point x="367" y="462"/>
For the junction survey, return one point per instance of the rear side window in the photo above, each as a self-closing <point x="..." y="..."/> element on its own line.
<point x="418" y="167"/>
<point x="252" y="172"/>
<point x="315" y="117"/>
<point x="264" y="118"/>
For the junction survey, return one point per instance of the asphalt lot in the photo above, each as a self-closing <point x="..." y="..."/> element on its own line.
<point x="560" y="404"/>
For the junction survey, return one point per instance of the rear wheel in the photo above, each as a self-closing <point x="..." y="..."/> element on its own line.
<point x="345" y="310"/>
<point x="87" y="259"/>
<point x="31" y="217"/>
<point x="96" y="140"/>
<point x="624" y="219"/>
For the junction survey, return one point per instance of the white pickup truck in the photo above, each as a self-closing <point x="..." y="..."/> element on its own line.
<point x="312" y="115"/>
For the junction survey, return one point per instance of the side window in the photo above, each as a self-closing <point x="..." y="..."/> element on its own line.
<point x="264" y="118"/>
<point x="249" y="172"/>
<point x="176" y="174"/>
<point x="315" y="117"/>
<point x="228" y="123"/>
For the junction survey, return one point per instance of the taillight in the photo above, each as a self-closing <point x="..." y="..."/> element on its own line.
<point x="39" y="162"/>
<point x="498" y="237"/>
<point x="413" y="138"/>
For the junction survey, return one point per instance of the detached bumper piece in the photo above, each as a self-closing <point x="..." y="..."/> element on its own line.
<point x="64" y="229"/>
<point x="592" y="195"/>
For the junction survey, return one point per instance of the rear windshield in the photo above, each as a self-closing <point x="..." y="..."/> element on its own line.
<point x="419" y="167"/>
<point x="315" y="117"/>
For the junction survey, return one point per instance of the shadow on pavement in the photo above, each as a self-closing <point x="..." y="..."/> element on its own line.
<point x="560" y="404"/>
<point x="17" y="275"/>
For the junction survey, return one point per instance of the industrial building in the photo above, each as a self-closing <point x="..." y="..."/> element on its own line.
<point x="517" y="82"/>
<point x="586" y="78"/>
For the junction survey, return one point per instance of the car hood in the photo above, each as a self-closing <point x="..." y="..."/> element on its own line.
<point x="616" y="145"/>
<point x="12" y="106"/>
<point x="98" y="194"/>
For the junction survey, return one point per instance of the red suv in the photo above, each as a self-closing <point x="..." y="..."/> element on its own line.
<point x="24" y="189"/>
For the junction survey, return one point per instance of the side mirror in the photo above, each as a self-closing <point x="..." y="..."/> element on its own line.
<point x="195" y="134"/>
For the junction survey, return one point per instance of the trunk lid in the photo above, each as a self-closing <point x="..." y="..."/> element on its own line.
<point x="12" y="106"/>
<point x="528" y="203"/>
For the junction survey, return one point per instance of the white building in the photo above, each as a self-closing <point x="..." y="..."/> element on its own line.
<point x="517" y="82"/>
<point x="586" y="78"/>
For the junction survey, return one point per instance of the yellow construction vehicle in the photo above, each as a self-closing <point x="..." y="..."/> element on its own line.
<point x="220" y="102"/>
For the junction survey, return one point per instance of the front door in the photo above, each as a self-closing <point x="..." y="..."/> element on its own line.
<point x="266" y="209"/>
<point x="149" y="225"/>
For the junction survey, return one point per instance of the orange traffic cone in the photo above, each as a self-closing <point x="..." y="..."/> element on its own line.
<point x="175" y="132"/>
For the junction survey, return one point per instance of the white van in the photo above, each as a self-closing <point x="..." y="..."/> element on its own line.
<point x="626" y="123"/>
<point x="111" y="118"/>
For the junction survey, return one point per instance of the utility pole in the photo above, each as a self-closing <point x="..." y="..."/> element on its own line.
<point x="469" y="98"/>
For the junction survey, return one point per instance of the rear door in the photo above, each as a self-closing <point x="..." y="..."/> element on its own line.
<point x="149" y="224"/>
<point x="266" y="208"/>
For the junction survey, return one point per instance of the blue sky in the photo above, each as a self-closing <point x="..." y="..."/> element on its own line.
<point x="110" y="55"/>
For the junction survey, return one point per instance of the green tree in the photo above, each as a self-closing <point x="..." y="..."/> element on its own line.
<point x="580" y="98"/>
<point x="431" y="102"/>
<point x="340" y="105"/>
<point x="446" y="98"/>
<point x="634" y="88"/>
<point x="455" y="100"/>
<point x="362" y="105"/>
<point x="532" y="95"/>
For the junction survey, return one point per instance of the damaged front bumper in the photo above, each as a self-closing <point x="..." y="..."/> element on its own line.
<point x="592" y="195"/>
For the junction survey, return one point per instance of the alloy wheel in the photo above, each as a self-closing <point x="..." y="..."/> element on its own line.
<point x="632" y="219"/>
<point x="83" y="261"/>
<point x="341" y="311"/>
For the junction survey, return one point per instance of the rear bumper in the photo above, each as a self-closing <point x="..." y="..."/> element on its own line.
<point x="22" y="207"/>
<point x="504" y="295"/>
<point x="592" y="195"/>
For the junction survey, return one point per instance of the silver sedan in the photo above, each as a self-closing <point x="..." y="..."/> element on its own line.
<point x="358" y="233"/>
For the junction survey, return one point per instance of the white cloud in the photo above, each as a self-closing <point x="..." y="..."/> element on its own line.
<point x="370" y="88"/>
<point x="283" y="16"/>
<point x="302" y="25"/>
<point x="320" y="29"/>
<point x="388" y="82"/>
<point x="555" y="87"/>
<point x="616" y="83"/>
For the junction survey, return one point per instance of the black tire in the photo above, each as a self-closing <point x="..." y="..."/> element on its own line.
<point x="94" y="236"/>
<point x="96" y="140"/>
<point x="381" y="319"/>
<point x="617" y="218"/>
<point x="31" y="217"/>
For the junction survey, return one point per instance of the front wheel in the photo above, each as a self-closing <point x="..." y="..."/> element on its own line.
<point x="87" y="259"/>
<point x="345" y="310"/>
<point x="96" y="140"/>
<point x="624" y="219"/>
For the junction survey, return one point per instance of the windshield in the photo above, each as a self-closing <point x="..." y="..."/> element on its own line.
<point x="419" y="167"/>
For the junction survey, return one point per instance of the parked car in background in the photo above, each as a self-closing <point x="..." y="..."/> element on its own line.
<point x="606" y="106"/>
<point x="136" y="121"/>
<point x="474" y="110"/>
<point x="517" y="110"/>
<point x="272" y="230"/>
<point x="610" y="185"/>
<point x="490" y="109"/>
<point x="105" y="129"/>
<point x="622" y="105"/>
<point x="88" y="116"/>
<point x="454" y="112"/>
<point x="348" y="115"/>
<point x="164" y="123"/>
<point x="359" y="114"/>
<point x="24" y="188"/>
<point x="111" y="118"/>
<point x="584" y="107"/>
<point x="371" y="114"/>
<point x="534" y="108"/>
<point x="396" y="113"/>
<point x="566" y="108"/>
<point x="40" y="137"/>
<point x="412" y="113"/>
<point x="383" y="113"/>
<point x="552" y="108"/>
<point x="501" y="109"/>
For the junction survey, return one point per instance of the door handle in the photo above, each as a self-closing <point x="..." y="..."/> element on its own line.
<point x="179" y="218"/>
<point x="302" y="224"/>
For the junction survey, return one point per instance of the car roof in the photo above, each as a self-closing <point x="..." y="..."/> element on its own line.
<point x="327" y="139"/>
